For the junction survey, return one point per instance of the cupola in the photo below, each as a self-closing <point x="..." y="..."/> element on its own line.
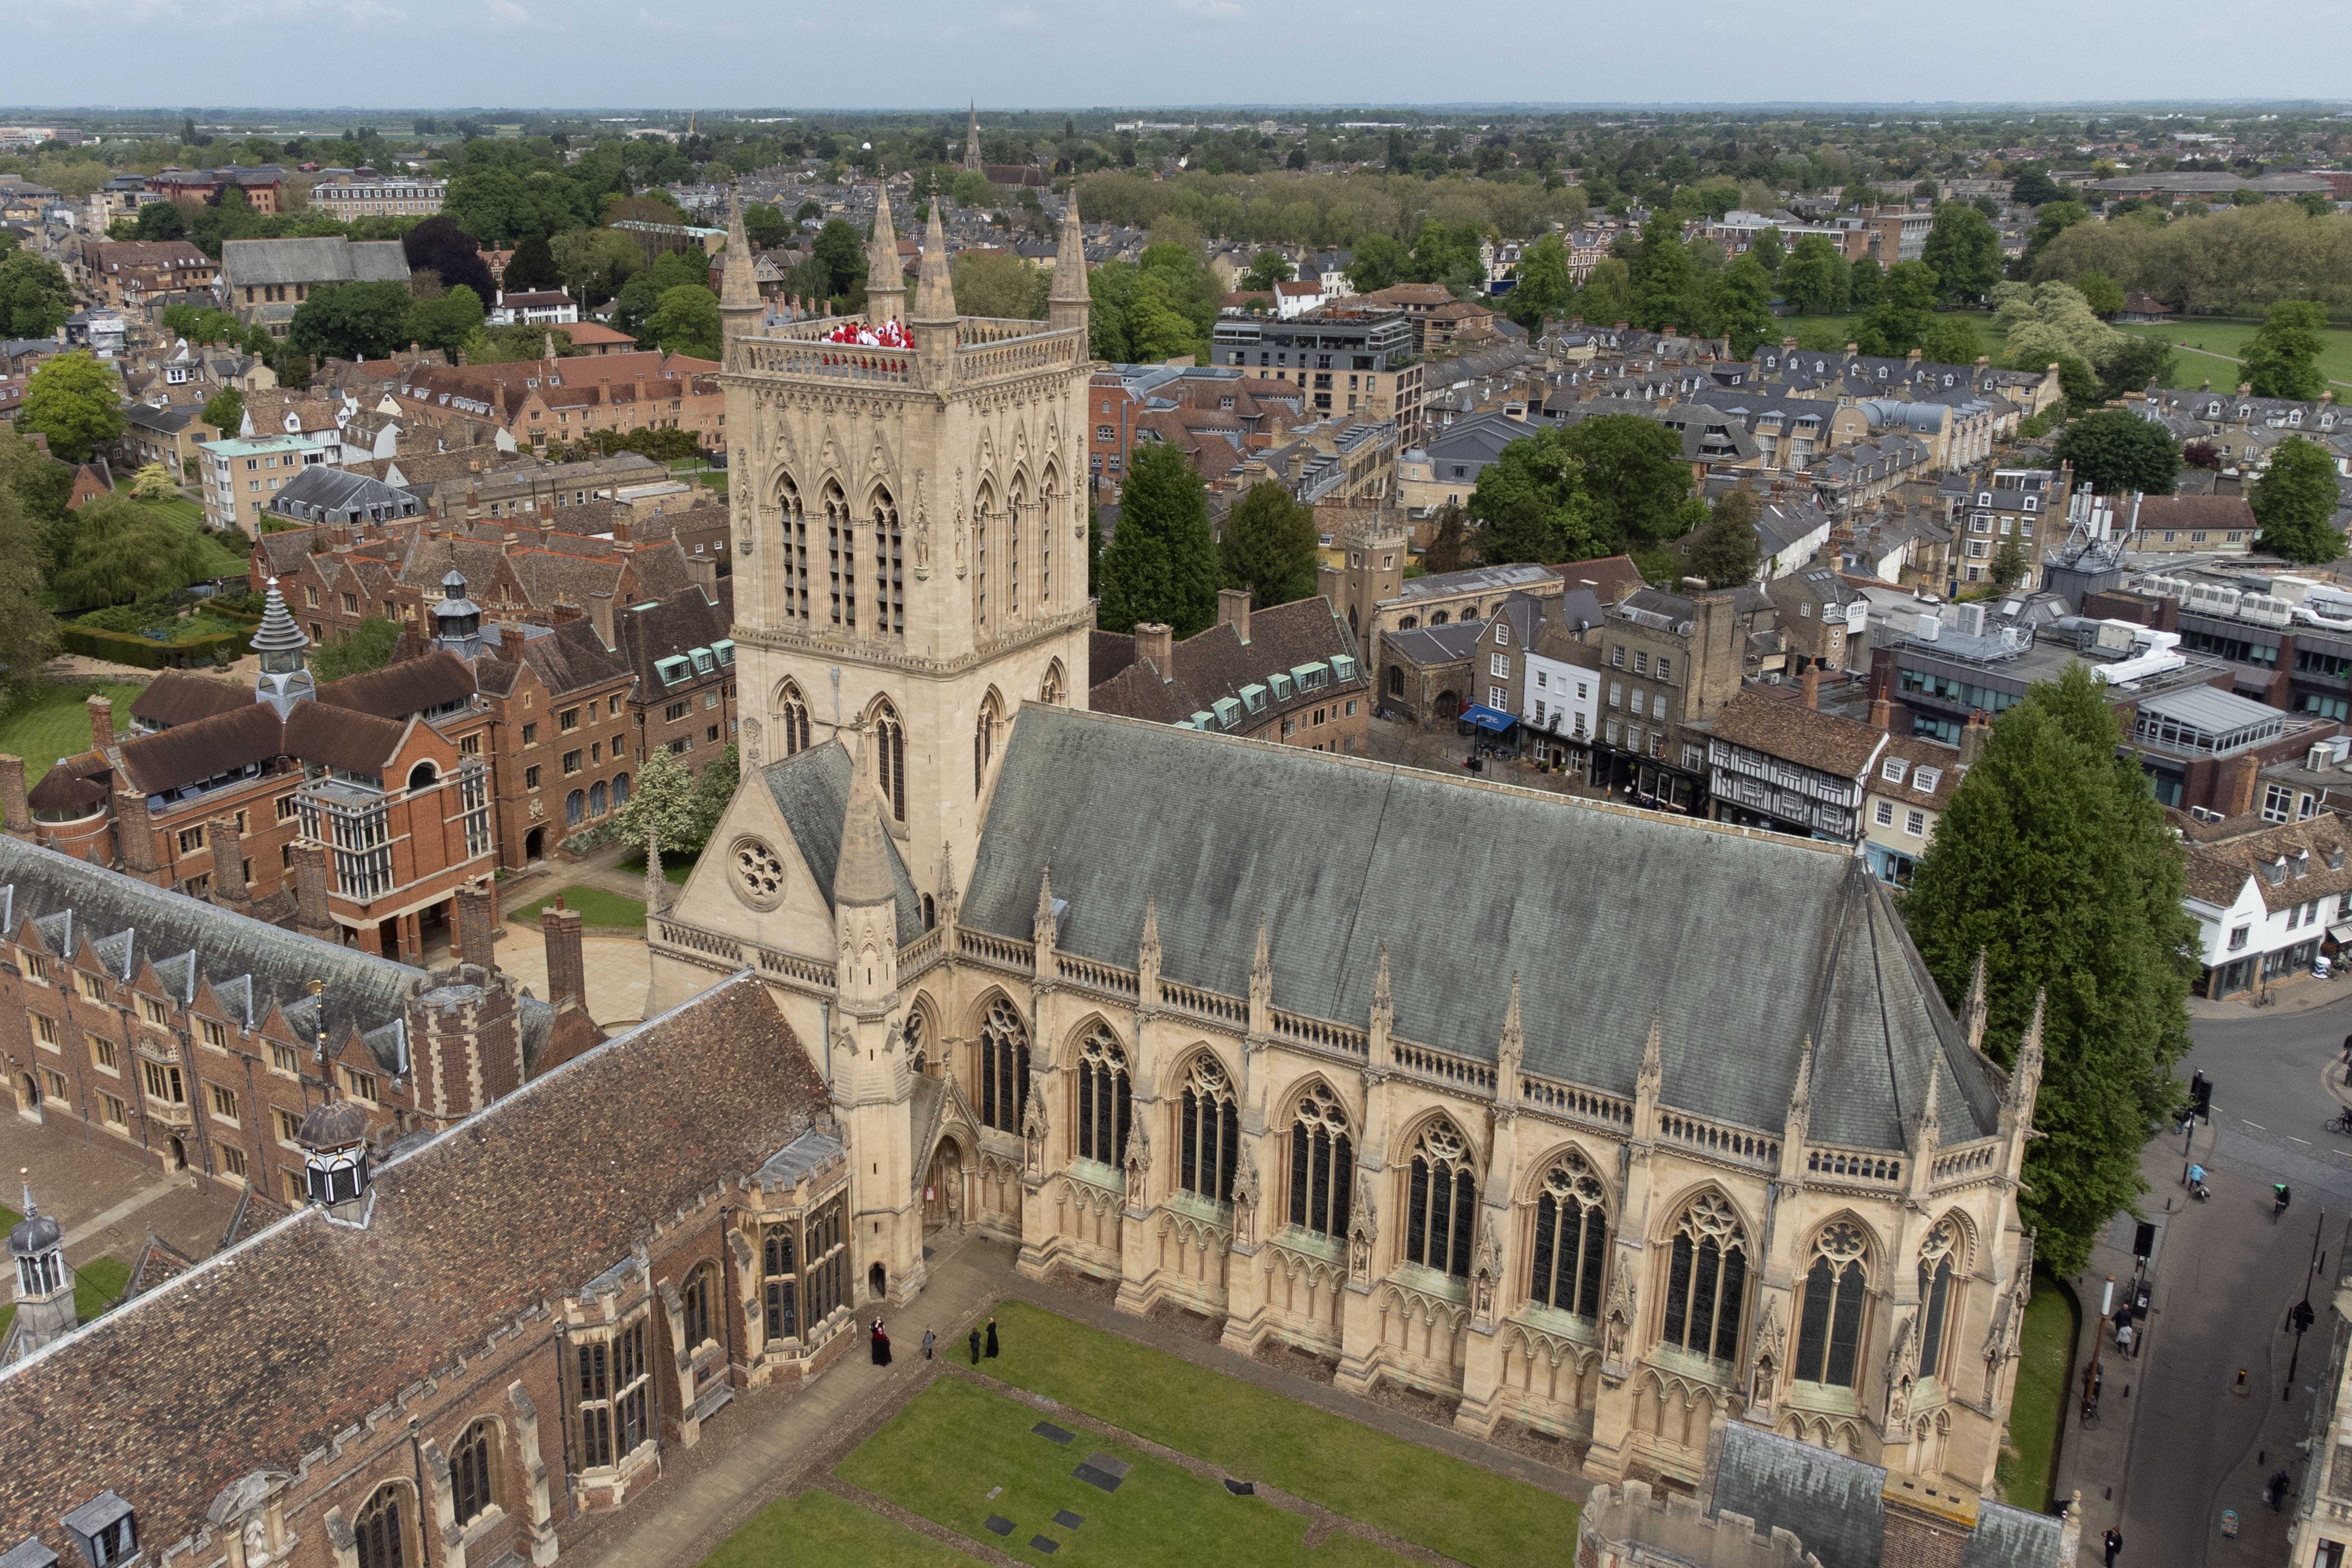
<point x="334" y="1152"/>
<point x="285" y="677"/>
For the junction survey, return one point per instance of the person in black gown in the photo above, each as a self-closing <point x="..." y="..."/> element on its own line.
<point x="991" y="1336"/>
<point x="881" y="1345"/>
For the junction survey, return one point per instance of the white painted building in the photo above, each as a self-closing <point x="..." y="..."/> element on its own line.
<point x="2264" y="902"/>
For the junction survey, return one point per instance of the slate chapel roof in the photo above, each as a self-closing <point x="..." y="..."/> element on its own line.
<point x="1740" y="944"/>
<point x="811" y="792"/>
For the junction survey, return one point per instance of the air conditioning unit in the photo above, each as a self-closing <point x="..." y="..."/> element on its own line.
<point x="1973" y="620"/>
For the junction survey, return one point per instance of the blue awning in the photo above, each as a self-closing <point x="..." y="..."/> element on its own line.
<point x="1487" y="718"/>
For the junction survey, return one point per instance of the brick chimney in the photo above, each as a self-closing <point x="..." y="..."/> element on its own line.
<point x="101" y="723"/>
<point x="15" y="816"/>
<point x="227" y="843"/>
<point x="476" y="936"/>
<point x="567" y="970"/>
<point x="1155" y="641"/>
<point x="1810" y="683"/>
<point x="1234" y="609"/>
<point x="310" y="917"/>
<point x="134" y="837"/>
<point x="600" y="610"/>
<point x="1881" y="713"/>
<point x="1973" y="736"/>
<point x="2240" y="776"/>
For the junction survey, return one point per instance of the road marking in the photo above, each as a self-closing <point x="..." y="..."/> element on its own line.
<point x="2257" y="1126"/>
<point x="2292" y="1139"/>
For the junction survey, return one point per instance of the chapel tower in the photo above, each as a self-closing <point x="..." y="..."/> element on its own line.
<point x="910" y="527"/>
<point x="972" y="139"/>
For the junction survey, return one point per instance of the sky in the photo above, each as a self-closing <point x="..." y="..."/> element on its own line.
<point x="1051" y="54"/>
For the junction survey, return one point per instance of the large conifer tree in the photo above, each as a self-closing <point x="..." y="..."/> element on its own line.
<point x="2055" y="862"/>
<point x="1161" y="562"/>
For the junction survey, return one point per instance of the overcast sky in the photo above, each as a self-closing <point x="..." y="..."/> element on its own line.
<point x="1008" y="54"/>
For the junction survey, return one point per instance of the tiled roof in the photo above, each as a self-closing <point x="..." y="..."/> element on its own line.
<point x="1216" y="663"/>
<point x="264" y="1351"/>
<point x="2218" y="872"/>
<point x="1796" y="733"/>
<point x="401" y="690"/>
<point x="1612" y="576"/>
<point x="180" y="696"/>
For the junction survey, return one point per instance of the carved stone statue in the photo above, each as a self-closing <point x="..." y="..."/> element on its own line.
<point x="959" y="524"/>
<point x="1902" y="1359"/>
<point x="1488" y="1270"/>
<point x="750" y="740"/>
<point x="1617" y="1326"/>
<point x="1363" y="1229"/>
<point x="922" y="530"/>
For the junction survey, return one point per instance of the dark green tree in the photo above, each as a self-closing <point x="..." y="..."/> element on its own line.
<point x="1270" y="546"/>
<point x="1769" y="250"/>
<point x="368" y="646"/>
<point x="2101" y="292"/>
<point x="1377" y="261"/>
<point x="1815" y="278"/>
<point x="766" y="226"/>
<point x="1951" y="339"/>
<point x="29" y="633"/>
<point x="1898" y="322"/>
<point x="532" y="265"/>
<point x="1634" y="471"/>
<point x="223" y="410"/>
<point x="35" y="298"/>
<point x="345" y="320"/>
<point x="1743" y="305"/>
<point x="447" y="322"/>
<point x="686" y="321"/>
<point x="2282" y="358"/>
<point x="1726" y="551"/>
<point x="1543" y="286"/>
<point x="1449" y="547"/>
<point x="1866" y="283"/>
<point x="160" y="220"/>
<point x="74" y="400"/>
<point x="2032" y="186"/>
<point x="2294" y="502"/>
<point x="122" y="552"/>
<point x="1268" y="268"/>
<point x="1662" y="279"/>
<point x="2008" y="562"/>
<point x="1161" y="563"/>
<point x="2116" y="453"/>
<point x="1963" y="250"/>
<point x="842" y="251"/>
<point x="2138" y="363"/>
<point x="2055" y="863"/>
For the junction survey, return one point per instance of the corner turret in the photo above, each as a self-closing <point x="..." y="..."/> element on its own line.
<point x="285" y="677"/>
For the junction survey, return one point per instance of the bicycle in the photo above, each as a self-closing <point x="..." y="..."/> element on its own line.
<point x="2340" y="1122"/>
<point x="2265" y="1000"/>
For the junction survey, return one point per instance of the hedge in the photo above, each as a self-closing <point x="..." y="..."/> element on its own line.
<point x="146" y="653"/>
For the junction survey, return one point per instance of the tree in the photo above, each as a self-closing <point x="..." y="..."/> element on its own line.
<point x="293" y="368"/>
<point x="713" y="788"/>
<point x="2032" y="186"/>
<point x="2283" y="357"/>
<point x="2048" y="224"/>
<point x="1001" y="285"/>
<point x="2050" y="322"/>
<point x="160" y="220"/>
<point x="1270" y="546"/>
<point x="448" y="322"/>
<point x="1963" y="250"/>
<point x="532" y="265"/>
<point x="2054" y="862"/>
<point x="686" y="321"/>
<point x="2008" y="562"/>
<point x="1767" y="250"/>
<point x="225" y="411"/>
<point x="1266" y="268"/>
<point x="2116" y="453"/>
<point x="661" y="804"/>
<point x="75" y="401"/>
<point x="1662" y="279"/>
<point x="346" y="321"/>
<point x="437" y="245"/>
<point x="1900" y="321"/>
<point x="1448" y="548"/>
<point x="122" y="552"/>
<point x="1377" y="262"/>
<point x="1531" y="505"/>
<point x="35" y="298"/>
<point x="29" y="633"/>
<point x="1726" y="551"/>
<point x="1867" y="283"/>
<point x="1815" y="278"/>
<point x="766" y="226"/>
<point x="2294" y="502"/>
<point x="1544" y="286"/>
<point x="843" y="255"/>
<point x="1951" y="339"/>
<point x="155" y="481"/>
<point x="2137" y="364"/>
<point x="2101" y="292"/>
<point x="368" y="646"/>
<point x="1743" y="305"/>
<point x="1161" y="563"/>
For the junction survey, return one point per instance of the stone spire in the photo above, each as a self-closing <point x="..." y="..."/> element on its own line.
<point x="285" y="677"/>
<point x="1512" y="1050"/>
<point x="1147" y="952"/>
<point x="862" y="875"/>
<point x="1043" y="928"/>
<point x="972" y="139"/>
<point x="934" y="288"/>
<point x="1973" y="1011"/>
<point x="1066" y="306"/>
<point x="655" y="884"/>
<point x="738" y="284"/>
<point x="885" y="281"/>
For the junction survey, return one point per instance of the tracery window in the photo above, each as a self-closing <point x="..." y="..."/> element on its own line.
<point x="1322" y="1164"/>
<point x="1209" y="1144"/>
<point x="780" y="1272"/>
<point x="1441" y="1202"/>
<point x="1004" y="1066"/>
<point x="614" y="1374"/>
<point x="793" y="717"/>
<point x="1103" y="1099"/>
<point x="889" y="582"/>
<point x="1936" y="1293"/>
<point x="795" y="522"/>
<point x="983" y="743"/>
<point x="1706" y="1280"/>
<point x="840" y="558"/>
<point x="469" y="1470"/>
<point x="827" y="1251"/>
<point x="695" y="1300"/>
<point x="1055" y="689"/>
<point x="1828" y="1339"/>
<point x="891" y="758"/>
<point x="382" y="1538"/>
<point x="980" y="556"/>
<point x="1571" y="1239"/>
<point x="1016" y="511"/>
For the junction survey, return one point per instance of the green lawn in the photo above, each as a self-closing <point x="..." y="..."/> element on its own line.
<point x="675" y="868"/>
<point x="219" y="560"/>
<point x="596" y="907"/>
<point x="180" y="509"/>
<point x="2191" y="369"/>
<point x="959" y="1454"/>
<point x="53" y="722"/>
<point x="818" y="1529"/>
<point x="1431" y="1498"/>
<point x="97" y="1285"/>
<point x="2045" y="1378"/>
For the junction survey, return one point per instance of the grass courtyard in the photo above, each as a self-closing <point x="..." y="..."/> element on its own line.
<point x="971" y="1460"/>
<point x="2045" y="1372"/>
<point x="596" y="907"/>
<point x="53" y="721"/>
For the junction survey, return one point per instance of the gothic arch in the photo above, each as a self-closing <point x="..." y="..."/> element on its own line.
<point x="388" y="1526"/>
<point x="887" y="732"/>
<point x="1874" y="1252"/>
<point x="987" y="734"/>
<point x="1054" y="690"/>
<point x="789" y="710"/>
<point x="1965" y="1252"/>
<point x="920" y="1026"/>
<point x="1004" y="1061"/>
<point x="791" y="526"/>
<point x="1671" y="1211"/>
<point x="1438" y="1174"/>
<point x="1401" y="1143"/>
<point x="478" y="1466"/>
<point x="1531" y="1178"/>
<point x="1308" y="1082"/>
<point x="1203" y="1122"/>
<point x="977" y="1015"/>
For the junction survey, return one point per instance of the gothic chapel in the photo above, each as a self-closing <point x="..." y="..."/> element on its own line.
<point x="1610" y="1125"/>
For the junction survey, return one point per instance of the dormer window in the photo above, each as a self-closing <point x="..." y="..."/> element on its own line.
<point x="105" y="1529"/>
<point x="1926" y="780"/>
<point x="2302" y="864"/>
<point x="2276" y="870"/>
<point x="1894" y="770"/>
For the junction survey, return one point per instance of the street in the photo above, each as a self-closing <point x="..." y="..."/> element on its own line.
<point x="2225" y="1279"/>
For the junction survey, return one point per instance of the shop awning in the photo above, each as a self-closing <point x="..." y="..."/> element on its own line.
<point x="2340" y="933"/>
<point x="1487" y="718"/>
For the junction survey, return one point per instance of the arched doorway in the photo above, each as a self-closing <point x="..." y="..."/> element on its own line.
<point x="1448" y="705"/>
<point x="534" y="844"/>
<point x="877" y="1281"/>
<point x="28" y="1096"/>
<point x="943" y="1188"/>
<point x="179" y="1154"/>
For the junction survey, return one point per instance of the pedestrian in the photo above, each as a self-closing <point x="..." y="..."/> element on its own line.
<point x="2277" y="1490"/>
<point x="991" y="1338"/>
<point x="881" y="1345"/>
<point x="2124" y="1339"/>
<point x="975" y="1347"/>
<point x="2347" y="1050"/>
<point x="929" y="1339"/>
<point x="2114" y="1545"/>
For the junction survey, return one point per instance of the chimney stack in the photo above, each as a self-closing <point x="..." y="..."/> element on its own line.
<point x="310" y="917"/>
<point x="1234" y="609"/>
<point x="567" y="970"/>
<point x="1881" y="713"/>
<point x="1156" y="640"/>
<point x="478" y="923"/>
<point x="101" y="723"/>
<point x="229" y="890"/>
<point x="15" y="816"/>
<point x="1809" y="683"/>
<point x="1973" y="736"/>
<point x="134" y="835"/>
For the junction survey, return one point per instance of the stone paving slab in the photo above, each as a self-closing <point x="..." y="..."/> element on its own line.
<point x="107" y="1197"/>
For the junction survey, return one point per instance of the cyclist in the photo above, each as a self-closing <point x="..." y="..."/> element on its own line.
<point x="2196" y="1179"/>
<point x="2280" y="1198"/>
